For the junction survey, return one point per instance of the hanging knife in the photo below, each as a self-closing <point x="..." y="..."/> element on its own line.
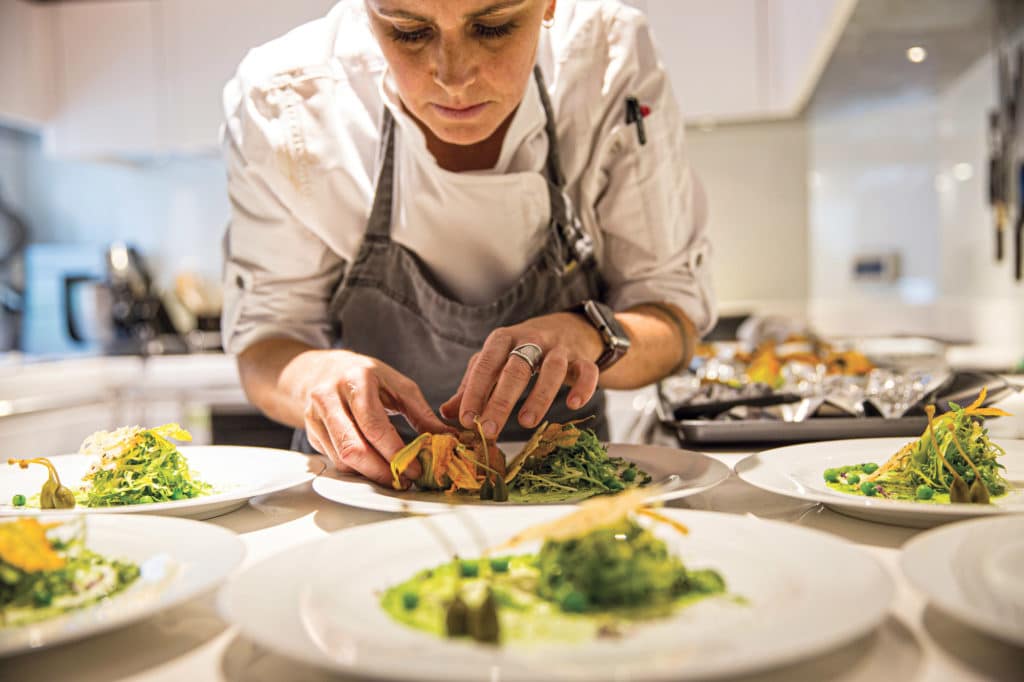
<point x="996" y="180"/>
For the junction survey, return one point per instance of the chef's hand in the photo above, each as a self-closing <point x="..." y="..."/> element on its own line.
<point x="347" y="410"/>
<point x="495" y="380"/>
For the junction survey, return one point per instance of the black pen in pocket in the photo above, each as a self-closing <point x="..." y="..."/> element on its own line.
<point x="635" y="113"/>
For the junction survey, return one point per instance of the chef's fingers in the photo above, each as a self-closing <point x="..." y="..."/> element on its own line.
<point x="549" y="381"/>
<point x="412" y="404"/>
<point x="321" y="442"/>
<point x="585" y="375"/>
<point x="450" y="407"/>
<point x="512" y="382"/>
<point x="350" y="447"/>
<point x="370" y="415"/>
<point x="484" y="375"/>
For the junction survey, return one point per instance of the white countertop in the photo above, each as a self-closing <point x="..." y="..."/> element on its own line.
<point x="192" y="643"/>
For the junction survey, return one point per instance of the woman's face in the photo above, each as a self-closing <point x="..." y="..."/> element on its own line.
<point x="460" y="66"/>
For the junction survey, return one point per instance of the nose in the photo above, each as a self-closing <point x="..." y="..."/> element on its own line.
<point x="454" y="69"/>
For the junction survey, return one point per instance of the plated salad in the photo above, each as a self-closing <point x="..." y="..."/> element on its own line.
<point x="133" y="466"/>
<point x="598" y="573"/>
<point x="953" y="461"/>
<point x="560" y="463"/>
<point x="46" y="570"/>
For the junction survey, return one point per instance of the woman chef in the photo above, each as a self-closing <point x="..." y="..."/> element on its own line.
<point x="481" y="208"/>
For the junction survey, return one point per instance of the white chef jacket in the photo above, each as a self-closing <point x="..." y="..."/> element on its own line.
<point x="301" y="143"/>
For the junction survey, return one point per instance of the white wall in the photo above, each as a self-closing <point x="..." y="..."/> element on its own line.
<point x="756" y="179"/>
<point x="883" y="182"/>
<point x="174" y="210"/>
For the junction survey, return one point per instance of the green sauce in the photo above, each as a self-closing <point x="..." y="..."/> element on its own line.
<point x="888" y="491"/>
<point x="525" y="618"/>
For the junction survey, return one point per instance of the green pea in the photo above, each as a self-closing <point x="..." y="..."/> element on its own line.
<point x="924" y="492"/>
<point x="499" y="565"/>
<point x="574" y="602"/>
<point x="868" y="488"/>
<point x="18" y="500"/>
<point x="870" y="468"/>
<point x="146" y="499"/>
<point x="410" y="600"/>
<point x="852" y="479"/>
<point x="629" y="475"/>
<point x="469" y="569"/>
<point x="831" y="475"/>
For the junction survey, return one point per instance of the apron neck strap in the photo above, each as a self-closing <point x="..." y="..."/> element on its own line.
<point x="379" y="224"/>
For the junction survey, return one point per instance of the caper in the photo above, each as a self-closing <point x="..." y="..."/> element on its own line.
<point x="629" y="475"/>
<point x="46" y="495"/>
<point x="483" y="621"/>
<point x="499" y="565"/>
<point x="487" y="489"/>
<point x="469" y="569"/>
<point x="852" y="479"/>
<point x="63" y="498"/>
<point x="410" y="600"/>
<point x="831" y="475"/>
<point x="924" y="492"/>
<point x="500" y="489"/>
<point x="18" y="500"/>
<point x="868" y="488"/>
<point x="869" y="468"/>
<point x="456" y="618"/>
<point x="958" y="491"/>
<point x="979" y="493"/>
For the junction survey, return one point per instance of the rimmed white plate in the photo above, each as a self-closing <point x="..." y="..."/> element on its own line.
<point x="179" y="559"/>
<point x="798" y="471"/>
<point x="973" y="571"/>
<point x="332" y="617"/>
<point x="237" y="473"/>
<point x="696" y="473"/>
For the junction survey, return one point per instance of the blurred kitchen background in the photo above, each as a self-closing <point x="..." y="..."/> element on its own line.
<point x="845" y="146"/>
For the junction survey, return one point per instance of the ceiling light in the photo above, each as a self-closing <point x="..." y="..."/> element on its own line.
<point x="917" y="54"/>
<point x="963" y="172"/>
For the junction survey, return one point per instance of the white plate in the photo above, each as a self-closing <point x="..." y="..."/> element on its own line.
<point x="236" y="473"/>
<point x="972" y="571"/>
<point x="697" y="473"/>
<point x="331" y="617"/>
<point x="179" y="559"/>
<point x="798" y="471"/>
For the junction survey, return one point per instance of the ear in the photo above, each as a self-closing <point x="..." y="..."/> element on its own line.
<point x="549" y="13"/>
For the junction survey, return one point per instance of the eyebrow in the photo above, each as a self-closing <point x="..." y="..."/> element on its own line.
<point x="487" y="11"/>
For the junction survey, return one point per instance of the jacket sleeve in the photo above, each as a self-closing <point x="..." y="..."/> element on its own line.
<point x="649" y="205"/>
<point x="278" y="275"/>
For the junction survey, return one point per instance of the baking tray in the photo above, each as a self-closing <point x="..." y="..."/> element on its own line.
<point x="769" y="431"/>
<point x="963" y="388"/>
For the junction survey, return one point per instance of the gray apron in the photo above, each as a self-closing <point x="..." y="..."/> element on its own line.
<point x="390" y="307"/>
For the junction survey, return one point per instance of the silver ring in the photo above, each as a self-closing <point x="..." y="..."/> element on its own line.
<point x="530" y="353"/>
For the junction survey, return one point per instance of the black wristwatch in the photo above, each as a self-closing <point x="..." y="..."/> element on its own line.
<point x="616" y="342"/>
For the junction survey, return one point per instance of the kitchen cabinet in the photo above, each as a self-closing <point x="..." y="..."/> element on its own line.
<point x="112" y="100"/>
<point x="736" y="60"/>
<point x="27" y="92"/>
<point x="144" y="78"/>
